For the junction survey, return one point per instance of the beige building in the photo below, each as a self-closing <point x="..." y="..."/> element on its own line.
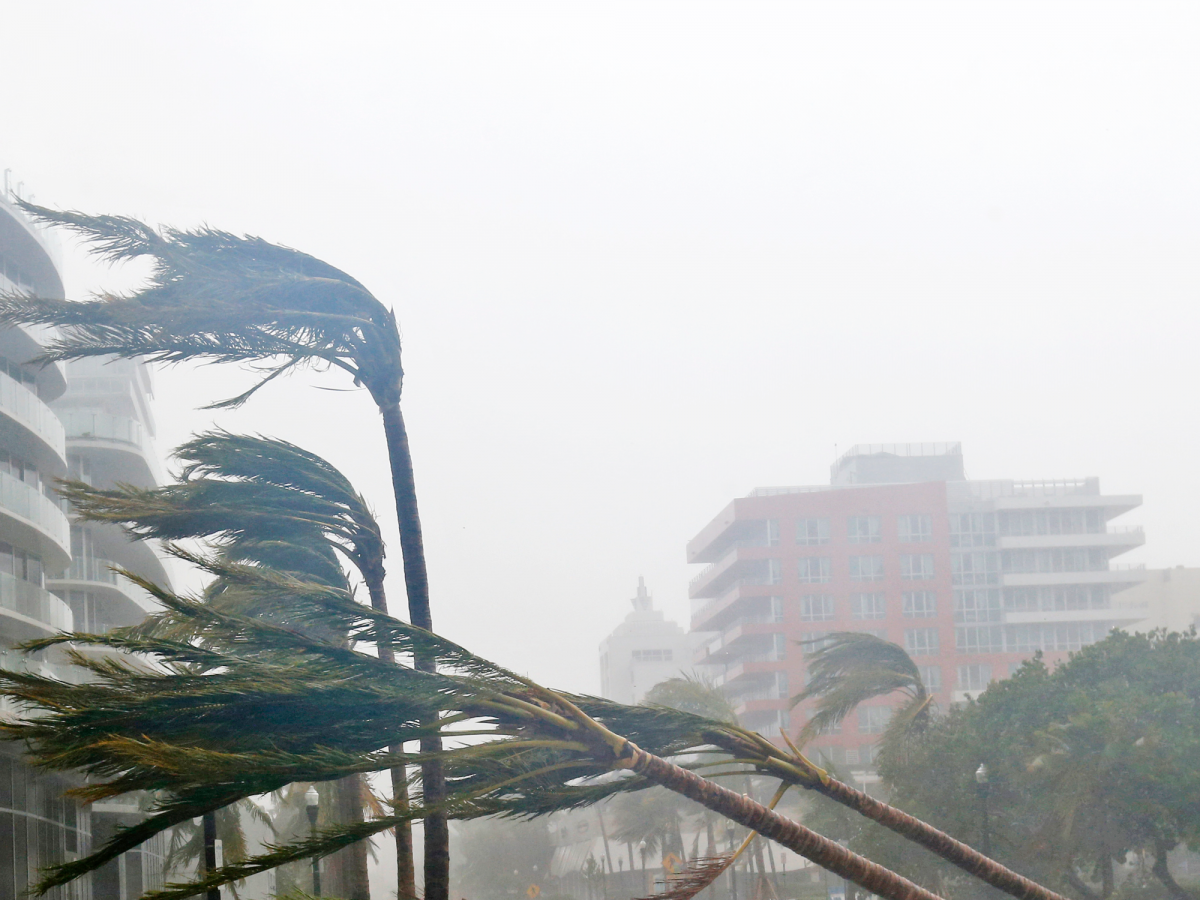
<point x="1168" y="598"/>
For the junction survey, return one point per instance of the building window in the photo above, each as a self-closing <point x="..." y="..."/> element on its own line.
<point x="918" y="604"/>
<point x="774" y="571"/>
<point x="915" y="529"/>
<point x="977" y="605"/>
<point x="931" y="677"/>
<point x="975" y="567"/>
<point x="814" y="569"/>
<point x="812" y="531"/>
<point x="916" y="566"/>
<point x="866" y="568"/>
<point x="772" y="532"/>
<point x="812" y="641"/>
<point x="973" y="530"/>
<point x="776" y="609"/>
<point x="21" y="564"/>
<point x="979" y="639"/>
<point x="921" y="641"/>
<point x="816" y="608"/>
<point x="652" y="656"/>
<point x="867" y="606"/>
<point x="778" y="652"/>
<point x="873" y="719"/>
<point x="864" y="530"/>
<point x="851" y="756"/>
<point x="974" y="677"/>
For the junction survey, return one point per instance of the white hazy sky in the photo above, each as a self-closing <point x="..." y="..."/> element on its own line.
<point x="648" y="256"/>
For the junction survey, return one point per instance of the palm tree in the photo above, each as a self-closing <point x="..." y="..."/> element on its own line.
<point x="271" y="503"/>
<point x="216" y="296"/>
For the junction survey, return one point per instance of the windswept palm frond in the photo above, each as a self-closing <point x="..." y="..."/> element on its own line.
<point x="853" y="668"/>
<point x="218" y="296"/>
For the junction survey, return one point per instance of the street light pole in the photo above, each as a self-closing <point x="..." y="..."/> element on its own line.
<point x="209" y="826"/>
<point x="312" y="805"/>
<point x="981" y="779"/>
<point x="645" y="877"/>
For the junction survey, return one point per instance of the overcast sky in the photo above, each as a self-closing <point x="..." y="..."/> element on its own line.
<point x="648" y="256"/>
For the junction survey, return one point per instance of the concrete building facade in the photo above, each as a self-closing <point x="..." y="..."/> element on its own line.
<point x="642" y="651"/>
<point x="970" y="577"/>
<point x="54" y="574"/>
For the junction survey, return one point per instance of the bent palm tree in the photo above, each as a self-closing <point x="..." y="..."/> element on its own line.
<point x="270" y="503"/>
<point x="215" y="296"/>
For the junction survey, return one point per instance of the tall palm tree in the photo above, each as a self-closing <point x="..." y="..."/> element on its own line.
<point x="271" y="503"/>
<point x="216" y="296"/>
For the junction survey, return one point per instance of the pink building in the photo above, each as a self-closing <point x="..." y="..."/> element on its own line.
<point x="970" y="577"/>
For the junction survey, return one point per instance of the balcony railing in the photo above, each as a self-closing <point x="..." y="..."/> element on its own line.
<point x="23" y="405"/>
<point x="29" y="503"/>
<point x="94" y="569"/>
<point x="84" y="424"/>
<point x="33" y="602"/>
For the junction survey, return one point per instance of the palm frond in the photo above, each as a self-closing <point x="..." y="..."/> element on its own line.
<point x="851" y="669"/>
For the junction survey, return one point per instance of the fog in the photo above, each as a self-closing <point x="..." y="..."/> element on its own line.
<point x="649" y="256"/>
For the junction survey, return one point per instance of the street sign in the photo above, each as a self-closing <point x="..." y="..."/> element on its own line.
<point x="671" y="863"/>
<point x="533" y="891"/>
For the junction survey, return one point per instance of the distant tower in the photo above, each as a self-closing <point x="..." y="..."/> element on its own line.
<point x="642" y="651"/>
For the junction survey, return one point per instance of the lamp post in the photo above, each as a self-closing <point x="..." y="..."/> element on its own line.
<point x="645" y="877"/>
<point x="312" y="805"/>
<point x="729" y="834"/>
<point x="981" y="779"/>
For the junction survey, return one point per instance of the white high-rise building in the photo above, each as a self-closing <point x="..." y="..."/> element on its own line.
<point x="54" y="574"/>
<point x="642" y="651"/>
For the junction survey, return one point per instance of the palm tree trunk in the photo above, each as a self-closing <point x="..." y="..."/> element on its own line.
<point x="416" y="582"/>
<point x="1163" y="874"/>
<point x="406" y="872"/>
<point x="793" y="835"/>
<point x="949" y="849"/>
<point x="355" y="883"/>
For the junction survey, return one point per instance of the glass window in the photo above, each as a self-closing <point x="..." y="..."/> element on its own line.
<point x="772" y="532"/>
<point x="915" y="528"/>
<point x="867" y="606"/>
<point x="866" y="568"/>
<point x="814" y="569"/>
<point x="916" y="566"/>
<point x="816" y="608"/>
<point x="873" y="719"/>
<point x="974" y="677"/>
<point x="864" y="530"/>
<point x="812" y="531"/>
<point x="979" y="639"/>
<point x="931" y="677"/>
<point x="921" y="641"/>
<point x="655" y="655"/>
<point x="918" y="604"/>
<point x="812" y="641"/>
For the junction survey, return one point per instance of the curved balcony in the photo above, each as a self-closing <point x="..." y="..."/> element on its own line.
<point x="30" y="428"/>
<point x="35" y="521"/>
<point x="123" y="442"/>
<point x="32" y="606"/>
<point x="129" y="602"/>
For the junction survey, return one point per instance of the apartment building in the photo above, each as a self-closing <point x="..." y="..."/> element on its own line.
<point x="91" y="422"/>
<point x="970" y="577"/>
